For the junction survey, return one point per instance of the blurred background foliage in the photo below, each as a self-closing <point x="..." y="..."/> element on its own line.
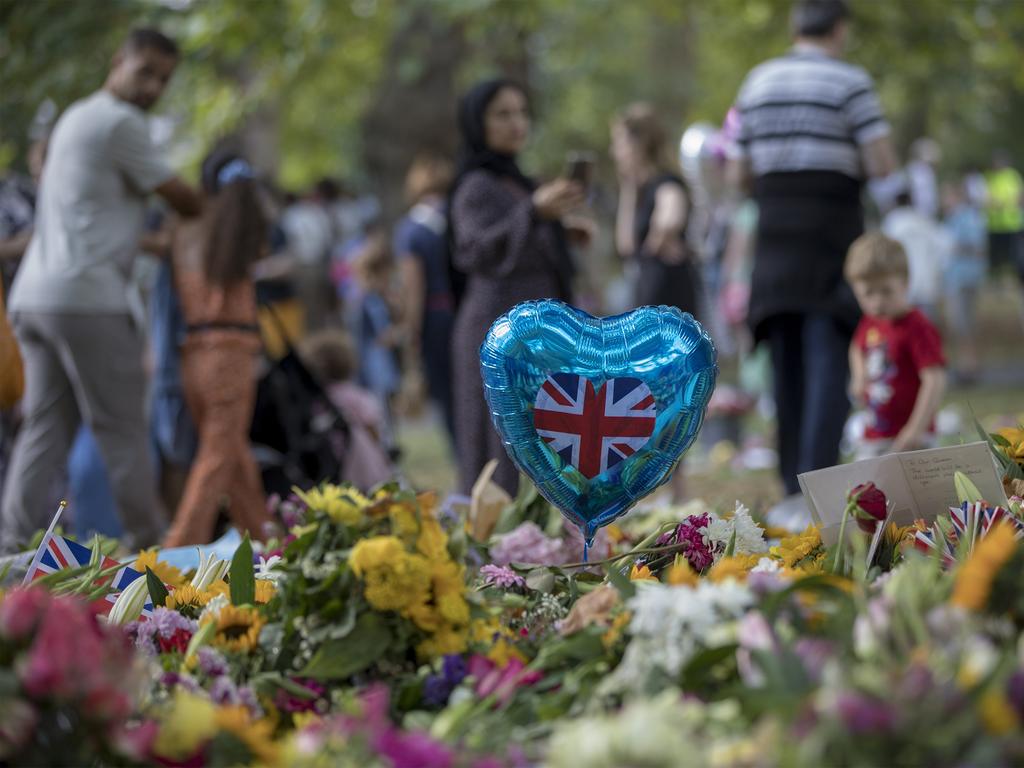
<point x="356" y="87"/>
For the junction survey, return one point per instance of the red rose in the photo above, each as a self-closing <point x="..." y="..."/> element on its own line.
<point x="868" y="505"/>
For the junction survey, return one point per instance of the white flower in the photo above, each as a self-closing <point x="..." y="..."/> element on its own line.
<point x="263" y="570"/>
<point x="749" y="535"/>
<point x="671" y="624"/>
<point x="767" y="565"/>
<point x="130" y="602"/>
<point x="211" y="568"/>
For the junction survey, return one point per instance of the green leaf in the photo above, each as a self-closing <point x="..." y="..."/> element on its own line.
<point x="201" y="638"/>
<point x="966" y="490"/>
<point x="243" y="575"/>
<point x="620" y="581"/>
<point x="342" y="657"/>
<point x="541" y="580"/>
<point x="157" y="590"/>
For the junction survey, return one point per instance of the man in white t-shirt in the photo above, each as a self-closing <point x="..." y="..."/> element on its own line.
<point x="69" y="302"/>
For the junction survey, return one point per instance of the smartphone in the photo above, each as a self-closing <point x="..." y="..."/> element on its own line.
<point x="579" y="167"/>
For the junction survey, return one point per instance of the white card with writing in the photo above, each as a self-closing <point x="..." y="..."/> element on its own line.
<point x="919" y="484"/>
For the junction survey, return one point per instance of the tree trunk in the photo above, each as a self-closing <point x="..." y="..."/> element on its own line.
<point x="414" y="105"/>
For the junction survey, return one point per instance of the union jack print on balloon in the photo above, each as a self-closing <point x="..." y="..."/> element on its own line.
<point x="594" y="430"/>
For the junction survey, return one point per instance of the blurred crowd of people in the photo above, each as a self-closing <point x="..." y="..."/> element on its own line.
<point x="184" y="360"/>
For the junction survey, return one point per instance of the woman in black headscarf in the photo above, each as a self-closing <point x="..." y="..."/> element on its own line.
<point x="508" y="245"/>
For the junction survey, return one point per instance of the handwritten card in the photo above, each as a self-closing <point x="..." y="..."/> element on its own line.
<point x="919" y="484"/>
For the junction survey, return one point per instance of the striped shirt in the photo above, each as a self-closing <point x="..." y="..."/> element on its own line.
<point x="807" y="111"/>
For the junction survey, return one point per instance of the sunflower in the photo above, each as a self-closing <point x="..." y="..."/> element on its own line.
<point x="975" y="577"/>
<point x="168" y="574"/>
<point x="342" y="505"/>
<point x="793" y="549"/>
<point x="256" y="735"/>
<point x="265" y="590"/>
<point x="187" y="600"/>
<point x="238" y="628"/>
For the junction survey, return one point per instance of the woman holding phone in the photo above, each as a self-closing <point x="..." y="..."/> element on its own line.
<point x="509" y="246"/>
<point x="653" y="213"/>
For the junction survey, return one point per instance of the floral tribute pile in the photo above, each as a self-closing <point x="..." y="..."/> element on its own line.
<point x="378" y="632"/>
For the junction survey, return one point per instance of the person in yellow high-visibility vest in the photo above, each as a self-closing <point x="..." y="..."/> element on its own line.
<point x="1005" y="210"/>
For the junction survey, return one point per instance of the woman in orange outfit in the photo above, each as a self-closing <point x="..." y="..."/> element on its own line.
<point x="212" y="257"/>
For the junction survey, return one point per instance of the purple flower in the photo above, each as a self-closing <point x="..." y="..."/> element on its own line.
<point x="224" y="691"/>
<point x="528" y="544"/>
<point x="413" y="749"/>
<point x="1015" y="692"/>
<point x="185" y="681"/>
<point x="141" y="633"/>
<point x="291" y="703"/>
<point x="864" y="714"/>
<point x="211" y="662"/>
<point x="501" y="576"/>
<point x="815" y="654"/>
<point x="166" y="622"/>
<point x="690" y="536"/>
<point x="437" y="688"/>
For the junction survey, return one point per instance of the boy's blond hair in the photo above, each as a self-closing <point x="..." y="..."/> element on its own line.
<point x="873" y="256"/>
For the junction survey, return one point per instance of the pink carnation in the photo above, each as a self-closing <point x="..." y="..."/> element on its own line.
<point x="501" y="576"/>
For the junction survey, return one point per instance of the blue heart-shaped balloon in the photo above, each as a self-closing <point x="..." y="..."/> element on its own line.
<point x="596" y="411"/>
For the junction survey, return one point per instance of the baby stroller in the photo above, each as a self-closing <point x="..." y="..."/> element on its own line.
<point x="298" y="435"/>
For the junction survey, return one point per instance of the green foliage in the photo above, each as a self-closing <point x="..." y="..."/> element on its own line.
<point x="298" y="76"/>
<point x="243" y="578"/>
<point x="157" y="590"/>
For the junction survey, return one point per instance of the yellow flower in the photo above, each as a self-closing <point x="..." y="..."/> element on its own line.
<point x="641" y="573"/>
<point x="186" y="597"/>
<point x="449" y="591"/>
<point x="447" y="639"/>
<point x="305" y="719"/>
<point x="238" y="628"/>
<point x="792" y="549"/>
<point x="615" y="533"/>
<point x="404" y="522"/>
<point x="342" y="505"/>
<point x="997" y="715"/>
<point x="736" y="567"/>
<point x="265" y="590"/>
<point x="619" y="623"/>
<point x="681" y="574"/>
<point x="1015" y="438"/>
<point x="975" y="577"/>
<point x="432" y="542"/>
<point x="394" y="579"/>
<point x="256" y="735"/>
<point x="185" y="726"/>
<point x="218" y="587"/>
<point x="168" y="574"/>
<point x="498" y="640"/>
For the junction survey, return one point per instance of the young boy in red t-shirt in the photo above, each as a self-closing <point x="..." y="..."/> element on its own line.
<point x="896" y="363"/>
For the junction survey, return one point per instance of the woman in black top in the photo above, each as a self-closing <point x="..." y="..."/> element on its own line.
<point x="653" y="212"/>
<point x="651" y="222"/>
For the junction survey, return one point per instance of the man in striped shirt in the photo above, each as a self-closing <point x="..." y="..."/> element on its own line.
<point x="811" y="133"/>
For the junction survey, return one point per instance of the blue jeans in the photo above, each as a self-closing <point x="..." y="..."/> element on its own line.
<point x="92" y="500"/>
<point x="811" y="369"/>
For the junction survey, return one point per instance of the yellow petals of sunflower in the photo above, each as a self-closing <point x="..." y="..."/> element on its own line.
<point x="237" y="628"/>
<point x="167" y="573"/>
<point x="187" y="596"/>
<point x="265" y="590"/>
<point x="975" y="577"/>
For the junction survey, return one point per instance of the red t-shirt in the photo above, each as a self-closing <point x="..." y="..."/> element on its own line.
<point x="895" y="351"/>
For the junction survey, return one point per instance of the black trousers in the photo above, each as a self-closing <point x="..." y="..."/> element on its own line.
<point x="810" y="362"/>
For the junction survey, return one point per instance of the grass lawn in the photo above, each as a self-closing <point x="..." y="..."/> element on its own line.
<point x="997" y="401"/>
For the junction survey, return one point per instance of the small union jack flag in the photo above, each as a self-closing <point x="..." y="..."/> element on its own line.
<point x="594" y="430"/>
<point x="59" y="553"/>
